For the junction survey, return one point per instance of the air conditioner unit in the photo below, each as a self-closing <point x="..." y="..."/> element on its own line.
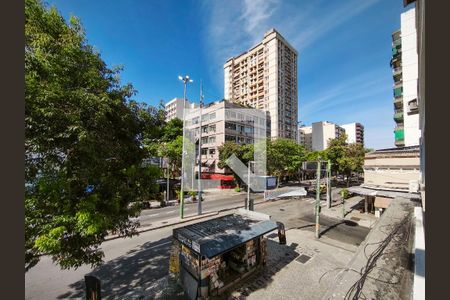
<point x="413" y="106"/>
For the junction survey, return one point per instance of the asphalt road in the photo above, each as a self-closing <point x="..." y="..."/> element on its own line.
<point x="212" y="203"/>
<point x="139" y="266"/>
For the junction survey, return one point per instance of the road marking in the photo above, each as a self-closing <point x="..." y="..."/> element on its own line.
<point x="153" y="215"/>
<point x="169" y="212"/>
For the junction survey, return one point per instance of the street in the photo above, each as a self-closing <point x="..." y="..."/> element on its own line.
<point x="137" y="267"/>
<point x="216" y="201"/>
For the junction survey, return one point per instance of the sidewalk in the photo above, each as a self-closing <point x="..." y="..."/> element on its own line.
<point x="304" y="268"/>
<point x="351" y="212"/>
<point x="207" y="194"/>
<point x="178" y="220"/>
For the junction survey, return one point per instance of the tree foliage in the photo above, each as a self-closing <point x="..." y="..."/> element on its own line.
<point x="82" y="144"/>
<point x="242" y="152"/>
<point x="172" y="150"/>
<point x="284" y="157"/>
<point x="172" y="130"/>
<point x="345" y="158"/>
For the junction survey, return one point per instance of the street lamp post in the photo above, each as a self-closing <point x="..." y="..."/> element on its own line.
<point x="247" y="204"/>
<point x="185" y="80"/>
<point x="199" y="205"/>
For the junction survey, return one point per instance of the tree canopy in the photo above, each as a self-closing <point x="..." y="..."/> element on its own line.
<point x="284" y="157"/>
<point x="83" y="148"/>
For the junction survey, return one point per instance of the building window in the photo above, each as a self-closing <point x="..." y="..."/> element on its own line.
<point x="204" y="140"/>
<point x="231" y="126"/>
<point x="205" y="129"/>
<point x="230" y="138"/>
<point x="212" y="139"/>
<point x="204" y="151"/>
<point x="212" y="116"/>
<point x="212" y="128"/>
<point x="212" y="151"/>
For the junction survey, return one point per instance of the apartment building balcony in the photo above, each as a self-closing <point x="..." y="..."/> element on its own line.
<point x="398" y="92"/>
<point x="399" y="137"/>
<point x="397" y="42"/>
<point x="396" y="35"/>
<point x="398" y="116"/>
<point x="398" y="102"/>
<point x="397" y="70"/>
<point x="398" y="85"/>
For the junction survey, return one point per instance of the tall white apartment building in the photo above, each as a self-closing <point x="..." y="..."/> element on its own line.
<point x="175" y="107"/>
<point x="265" y="77"/>
<point x="405" y="73"/>
<point x="354" y="132"/>
<point x="323" y="132"/>
<point x="305" y="137"/>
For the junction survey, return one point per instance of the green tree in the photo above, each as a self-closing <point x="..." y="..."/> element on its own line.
<point x="315" y="155"/>
<point x="243" y="152"/>
<point x="82" y="150"/>
<point x="352" y="161"/>
<point x="151" y="122"/>
<point x="284" y="157"/>
<point x="172" y="130"/>
<point x="335" y="151"/>
<point x="172" y="151"/>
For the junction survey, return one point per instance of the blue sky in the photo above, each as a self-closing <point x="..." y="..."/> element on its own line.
<point x="344" y="50"/>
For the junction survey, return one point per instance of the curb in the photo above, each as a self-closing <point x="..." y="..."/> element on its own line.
<point x="141" y="230"/>
<point x="145" y="229"/>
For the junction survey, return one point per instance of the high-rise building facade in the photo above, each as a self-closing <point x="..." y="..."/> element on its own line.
<point x="265" y="77"/>
<point x="354" y="132"/>
<point x="323" y="132"/>
<point x="404" y="63"/>
<point x="175" y="107"/>
<point x="305" y="137"/>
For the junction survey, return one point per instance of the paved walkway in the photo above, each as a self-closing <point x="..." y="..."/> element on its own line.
<point x="352" y="212"/>
<point x="304" y="268"/>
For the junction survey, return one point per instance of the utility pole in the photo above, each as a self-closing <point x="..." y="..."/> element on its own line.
<point x="329" y="184"/>
<point x="185" y="80"/>
<point x="168" y="181"/>
<point x="199" y="204"/>
<point x="247" y="203"/>
<point x="318" y="200"/>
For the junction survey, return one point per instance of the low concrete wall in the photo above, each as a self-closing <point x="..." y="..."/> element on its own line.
<point x="419" y="256"/>
<point x="380" y="267"/>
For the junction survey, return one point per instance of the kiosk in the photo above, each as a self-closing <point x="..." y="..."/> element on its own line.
<point x="210" y="256"/>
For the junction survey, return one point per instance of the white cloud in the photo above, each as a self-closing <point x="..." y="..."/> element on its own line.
<point x="232" y="27"/>
<point x="314" y="25"/>
<point x="255" y="15"/>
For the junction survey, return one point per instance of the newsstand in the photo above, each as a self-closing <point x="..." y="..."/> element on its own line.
<point x="210" y="256"/>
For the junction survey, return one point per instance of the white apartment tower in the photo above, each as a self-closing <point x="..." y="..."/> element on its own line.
<point x="354" y="132"/>
<point x="175" y="107"/>
<point x="265" y="77"/>
<point x="323" y="132"/>
<point x="305" y="137"/>
<point x="405" y="72"/>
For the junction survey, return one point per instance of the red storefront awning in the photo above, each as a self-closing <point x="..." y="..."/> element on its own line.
<point x="218" y="177"/>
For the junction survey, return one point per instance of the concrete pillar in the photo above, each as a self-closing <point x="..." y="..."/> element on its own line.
<point x="366" y="204"/>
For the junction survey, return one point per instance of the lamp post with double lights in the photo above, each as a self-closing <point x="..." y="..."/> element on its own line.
<point x="185" y="80"/>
